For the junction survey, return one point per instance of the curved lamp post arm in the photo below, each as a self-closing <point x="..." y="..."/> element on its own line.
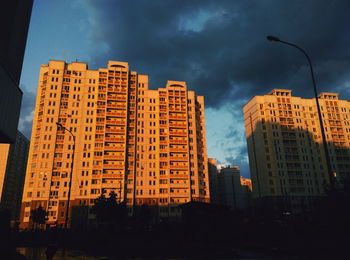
<point x="325" y="145"/>
<point x="65" y="129"/>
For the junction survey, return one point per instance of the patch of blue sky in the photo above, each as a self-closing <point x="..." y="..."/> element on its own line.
<point x="56" y="31"/>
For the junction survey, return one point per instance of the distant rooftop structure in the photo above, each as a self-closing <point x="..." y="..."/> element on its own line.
<point x="231" y="167"/>
<point x="328" y="95"/>
<point x="288" y="93"/>
<point x="281" y="92"/>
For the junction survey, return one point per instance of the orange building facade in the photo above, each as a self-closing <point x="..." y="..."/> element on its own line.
<point x="148" y="146"/>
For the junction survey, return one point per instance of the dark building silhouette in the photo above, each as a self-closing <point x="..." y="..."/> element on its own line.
<point x="226" y="187"/>
<point x="213" y="180"/>
<point x="14" y="17"/>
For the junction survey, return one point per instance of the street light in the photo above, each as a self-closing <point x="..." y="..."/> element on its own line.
<point x="71" y="172"/>
<point x="324" y="141"/>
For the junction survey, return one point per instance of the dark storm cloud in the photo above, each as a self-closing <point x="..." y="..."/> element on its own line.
<point x="239" y="157"/>
<point x="219" y="47"/>
<point x="26" y="115"/>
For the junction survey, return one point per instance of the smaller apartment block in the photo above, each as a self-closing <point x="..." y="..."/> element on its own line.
<point x="286" y="155"/>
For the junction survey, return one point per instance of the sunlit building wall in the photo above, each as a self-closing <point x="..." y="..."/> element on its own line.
<point x="148" y="146"/>
<point x="286" y="155"/>
<point x="246" y="184"/>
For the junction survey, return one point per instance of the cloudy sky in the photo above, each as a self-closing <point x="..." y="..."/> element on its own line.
<point x="218" y="47"/>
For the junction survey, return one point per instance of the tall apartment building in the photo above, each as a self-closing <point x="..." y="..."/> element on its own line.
<point x="148" y="146"/>
<point x="13" y="163"/>
<point x="286" y="155"/>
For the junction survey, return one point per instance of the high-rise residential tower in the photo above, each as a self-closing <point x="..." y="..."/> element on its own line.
<point x="148" y="146"/>
<point x="286" y="155"/>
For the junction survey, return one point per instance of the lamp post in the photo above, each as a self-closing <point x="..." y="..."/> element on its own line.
<point x="324" y="141"/>
<point x="70" y="175"/>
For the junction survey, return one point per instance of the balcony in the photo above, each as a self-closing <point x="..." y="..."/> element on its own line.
<point x="118" y="131"/>
<point x="184" y="167"/>
<point x="338" y="139"/>
<point x="114" y="139"/>
<point x="179" y="159"/>
<point x="177" y="109"/>
<point x="178" y="117"/>
<point x="178" y="133"/>
<point x="179" y="176"/>
<point x="114" y="148"/>
<point x="116" y="97"/>
<point x="113" y="166"/>
<point x="114" y="157"/>
<point x="117" y="90"/>
<point x="178" y="125"/>
<point x="110" y="185"/>
<point x="177" y="141"/>
<point x="179" y="194"/>
<point x="115" y="122"/>
<point x="116" y="114"/>
<point x="122" y="106"/>
<point x="100" y="132"/>
<point x="179" y="185"/>
<point x="112" y="175"/>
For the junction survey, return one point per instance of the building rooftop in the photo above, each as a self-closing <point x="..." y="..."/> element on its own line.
<point x="328" y="95"/>
<point x="281" y="92"/>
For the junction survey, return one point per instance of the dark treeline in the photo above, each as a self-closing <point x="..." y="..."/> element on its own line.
<point x="204" y="230"/>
